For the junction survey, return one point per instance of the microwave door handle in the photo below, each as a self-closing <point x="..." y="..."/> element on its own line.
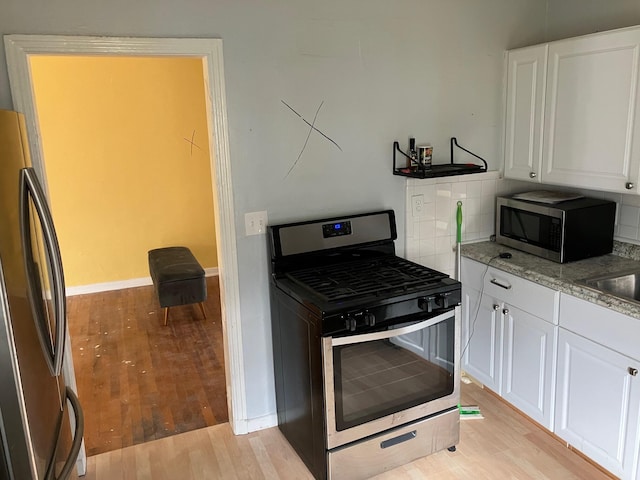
<point x="31" y="186"/>
<point x="77" y="436"/>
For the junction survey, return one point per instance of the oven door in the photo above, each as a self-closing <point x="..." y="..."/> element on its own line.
<point x="377" y="381"/>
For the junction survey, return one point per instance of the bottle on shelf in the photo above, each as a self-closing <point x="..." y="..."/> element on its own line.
<point x="413" y="154"/>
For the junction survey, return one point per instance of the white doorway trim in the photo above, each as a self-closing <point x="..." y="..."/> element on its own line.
<point x="20" y="47"/>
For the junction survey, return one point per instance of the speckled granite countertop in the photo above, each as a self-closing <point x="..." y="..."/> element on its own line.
<point x="564" y="277"/>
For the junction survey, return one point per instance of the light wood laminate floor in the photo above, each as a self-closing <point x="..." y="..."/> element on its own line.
<point x="503" y="445"/>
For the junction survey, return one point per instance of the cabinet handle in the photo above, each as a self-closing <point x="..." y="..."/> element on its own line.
<point x="628" y="185"/>
<point x="505" y="311"/>
<point x="495" y="282"/>
<point x="533" y="174"/>
<point x="632" y="371"/>
<point x="496" y="307"/>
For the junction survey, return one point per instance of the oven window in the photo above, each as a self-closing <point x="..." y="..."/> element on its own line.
<point x="382" y="377"/>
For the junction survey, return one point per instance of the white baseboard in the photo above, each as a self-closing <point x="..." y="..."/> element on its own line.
<point x="120" y="284"/>
<point x="211" y="272"/>
<point x="260" y="423"/>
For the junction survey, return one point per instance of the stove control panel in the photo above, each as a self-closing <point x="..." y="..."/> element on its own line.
<point x="336" y="229"/>
<point x="381" y="317"/>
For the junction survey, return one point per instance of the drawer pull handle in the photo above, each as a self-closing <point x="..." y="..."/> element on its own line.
<point x="628" y="185"/>
<point x="399" y="439"/>
<point x="495" y="282"/>
<point x="632" y="371"/>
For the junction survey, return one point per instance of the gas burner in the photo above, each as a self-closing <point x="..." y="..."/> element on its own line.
<point x="382" y="276"/>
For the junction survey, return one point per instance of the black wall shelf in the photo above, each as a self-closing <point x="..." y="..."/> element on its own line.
<point x="417" y="170"/>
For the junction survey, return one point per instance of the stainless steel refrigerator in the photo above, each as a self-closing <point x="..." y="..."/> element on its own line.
<point x="37" y="409"/>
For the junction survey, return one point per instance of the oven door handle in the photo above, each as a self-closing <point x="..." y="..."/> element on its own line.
<point x="369" y="337"/>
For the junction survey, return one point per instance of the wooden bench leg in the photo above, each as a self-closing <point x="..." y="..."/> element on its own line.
<point x="166" y="312"/>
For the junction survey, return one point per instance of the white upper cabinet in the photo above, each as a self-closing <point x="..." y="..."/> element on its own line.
<point x="590" y="112"/>
<point x="526" y="75"/>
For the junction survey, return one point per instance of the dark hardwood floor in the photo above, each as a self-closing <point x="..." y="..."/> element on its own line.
<point x="139" y="380"/>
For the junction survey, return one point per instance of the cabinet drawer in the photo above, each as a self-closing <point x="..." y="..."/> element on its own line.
<point x="472" y="273"/>
<point x="366" y="458"/>
<point x="524" y="294"/>
<point x="606" y="327"/>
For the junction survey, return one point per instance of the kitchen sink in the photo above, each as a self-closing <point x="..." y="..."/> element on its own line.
<point x="623" y="285"/>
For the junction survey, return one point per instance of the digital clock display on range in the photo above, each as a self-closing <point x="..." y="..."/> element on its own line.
<point x="336" y="229"/>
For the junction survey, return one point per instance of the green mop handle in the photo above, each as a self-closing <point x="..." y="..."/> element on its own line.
<point x="459" y="223"/>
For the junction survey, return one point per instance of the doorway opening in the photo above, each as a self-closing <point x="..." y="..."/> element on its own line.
<point x="127" y="163"/>
<point x="20" y="47"/>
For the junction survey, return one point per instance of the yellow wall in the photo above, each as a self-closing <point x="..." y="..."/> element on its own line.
<point x="122" y="179"/>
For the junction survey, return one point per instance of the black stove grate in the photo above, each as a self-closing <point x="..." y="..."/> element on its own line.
<point x="389" y="275"/>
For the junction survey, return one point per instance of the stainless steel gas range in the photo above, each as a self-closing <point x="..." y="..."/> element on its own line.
<point x="366" y="347"/>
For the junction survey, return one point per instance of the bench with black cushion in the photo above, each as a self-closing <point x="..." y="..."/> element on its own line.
<point x="177" y="277"/>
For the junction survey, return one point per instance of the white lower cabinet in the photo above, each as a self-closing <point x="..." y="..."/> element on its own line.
<point x="597" y="402"/>
<point x="571" y="365"/>
<point x="509" y="338"/>
<point x="528" y="371"/>
<point x="482" y="339"/>
<point x="598" y="389"/>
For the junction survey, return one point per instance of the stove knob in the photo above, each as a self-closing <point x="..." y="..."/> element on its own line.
<point x="427" y="304"/>
<point x="350" y="323"/>
<point x="369" y="319"/>
<point x="444" y="299"/>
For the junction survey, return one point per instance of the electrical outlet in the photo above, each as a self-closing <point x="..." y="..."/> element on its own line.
<point x="417" y="205"/>
<point x="256" y="222"/>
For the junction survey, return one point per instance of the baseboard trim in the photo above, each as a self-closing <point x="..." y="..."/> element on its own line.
<point x="260" y="423"/>
<point x="242" y="427"/>
<point x="121" y="284"/>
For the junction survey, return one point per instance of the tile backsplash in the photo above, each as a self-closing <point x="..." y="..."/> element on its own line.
<point x="431" y="206"/>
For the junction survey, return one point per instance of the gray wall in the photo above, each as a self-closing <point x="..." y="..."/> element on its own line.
<point x="570" y="18"/>
<point x="383" y="71"/>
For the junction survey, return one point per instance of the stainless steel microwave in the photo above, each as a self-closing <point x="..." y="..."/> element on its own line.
<point x="565" y="231"/>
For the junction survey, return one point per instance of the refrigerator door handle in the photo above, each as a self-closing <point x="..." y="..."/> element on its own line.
<point x="77" y="436"/>
<point x="30" y="189"/>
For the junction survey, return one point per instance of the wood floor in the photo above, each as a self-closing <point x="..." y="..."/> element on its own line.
<point x="139" y="380"/>
<point x="503" y="445"/>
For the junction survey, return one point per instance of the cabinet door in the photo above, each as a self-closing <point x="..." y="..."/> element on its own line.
<point x="526" y="76"/>
<point x="597" y="402"/>
<point x="591" y="133"/>
<point x="482" y="339"/>
<point x="528" y="380"/>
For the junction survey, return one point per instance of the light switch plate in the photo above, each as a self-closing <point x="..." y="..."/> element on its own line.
<point x="256" y="222"/>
